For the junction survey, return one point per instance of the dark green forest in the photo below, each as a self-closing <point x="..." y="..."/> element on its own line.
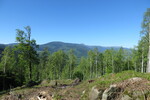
<point x="22" y="63"/>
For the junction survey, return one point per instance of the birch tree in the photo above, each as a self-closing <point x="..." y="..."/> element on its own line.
<point x="146" y="32"/>
<point x="148" y="64"/>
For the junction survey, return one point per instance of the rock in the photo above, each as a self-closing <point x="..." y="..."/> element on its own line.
<point x="131" y="89"/>
<point x="33" y="98"/>
<point x="135" y="79"/>
<point x="95" y="94"/>
<point x="136" y="87"/>
<point x="44" y="96"/>
<point x="126" y="97"/>
<point x="135" y="83"/>
<point x="53" y="83"/>
<point x="76" y="82"/>
<point x="111" y="93"/>
<point x="44" y="82"/>
<point x="10" y="97"/>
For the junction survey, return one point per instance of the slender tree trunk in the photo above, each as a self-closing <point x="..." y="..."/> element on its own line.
<point x="113" y="64"/>
<point x="55" y="75"/>
<point x="90" y="68"/>
<point x="128" y="65"/>
<point x="102" y="68"/>
<point x="70" y="69"/>
<point x="96" y="67"/>
<point x="30" y="65"/>
<point x="30" y="68"/>
<point x="96" y="64"/>
<point x="142" y="68"/>
<point x="106" y="66"/>
<point x="148" y="63"/>
<point x="135" y="68"/>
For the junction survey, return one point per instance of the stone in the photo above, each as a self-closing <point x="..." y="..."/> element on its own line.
<point x="76" y="82"/>
<point x="53" y="83"/>
<point x="95" y="94"/>
<point x="33" y="98"/>
<point x="111" y="93"/>
<point x="41" y="96"/>
<point x="126" y="97"/>
<point x="44" y="82"/>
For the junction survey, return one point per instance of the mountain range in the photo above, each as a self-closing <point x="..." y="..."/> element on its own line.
<point x="79" y="49"/>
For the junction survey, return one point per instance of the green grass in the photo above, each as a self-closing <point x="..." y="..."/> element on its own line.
<point x="105" y="81"/>
<point x="108" y="79"/>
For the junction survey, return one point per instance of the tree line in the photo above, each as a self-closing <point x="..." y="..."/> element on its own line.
<point x="22" y="63"/>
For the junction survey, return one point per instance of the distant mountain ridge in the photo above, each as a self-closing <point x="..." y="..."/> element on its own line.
<point x="79" y="49"/>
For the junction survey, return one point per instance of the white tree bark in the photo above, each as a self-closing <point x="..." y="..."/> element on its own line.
<point x="96" y="65"/>
<point x="135" y="68"/>
<point x="90" y="68"/>
<point x="148" y="64"/>
<point x="142" y="68"/>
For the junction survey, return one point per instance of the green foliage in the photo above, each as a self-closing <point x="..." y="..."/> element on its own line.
<point x="26" y="51"/>
<point x="8" y="69"/>
<point x="6" y="60"/>
<point x="61" y="65"/>
<point x="44" y="58"/>
<point x="31" y="83"/>
<point x="78" y="75"/>
<point x="145" y="23"/>
<point x="143" y="45"/>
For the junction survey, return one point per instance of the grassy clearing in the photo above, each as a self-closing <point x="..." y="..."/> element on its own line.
<point x="76" y="92"/>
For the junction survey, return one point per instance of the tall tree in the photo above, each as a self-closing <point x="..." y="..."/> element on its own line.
<point x="44" y="57"/>
<point x="148" y="64"/>
<point x="71" y="62"/>
<point x="108" y="60"/>
<point x="91" y="62"/>
<point x="101" y="66"/>
<point x="142" y="51"/>
<point x="83" y="67"/>
<point x="26" y="48"/>
<point x="146" y="33"/>
<point x="96" y="61"/>
<point x="119" y="60"/>
<point x="135" y="58"/>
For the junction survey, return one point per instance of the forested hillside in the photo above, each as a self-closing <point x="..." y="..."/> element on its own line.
<point x="27" y="64"/>
<point x="79" y="49"/>
<point x="21" y="64"/>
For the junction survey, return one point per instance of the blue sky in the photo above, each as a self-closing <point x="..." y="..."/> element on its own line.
<point x="90" y="22"/>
